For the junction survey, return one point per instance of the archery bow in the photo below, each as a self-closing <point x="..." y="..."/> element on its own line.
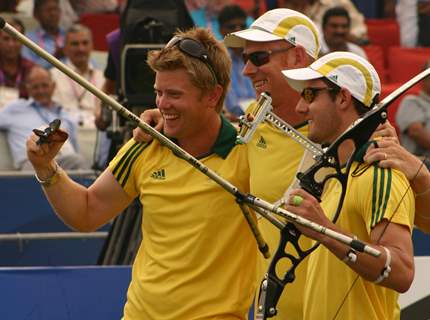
<point x="359" y="133"/>
<point x="248" y="199"/>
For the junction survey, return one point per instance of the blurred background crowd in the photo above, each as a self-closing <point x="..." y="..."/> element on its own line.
<point x="86" y="36"/>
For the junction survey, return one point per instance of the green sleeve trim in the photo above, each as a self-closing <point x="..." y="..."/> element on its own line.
<point x="381" y="195"/>
<point x="127" y="161"/>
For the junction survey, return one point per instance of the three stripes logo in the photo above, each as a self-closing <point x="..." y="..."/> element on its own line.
<point x="262" y="143"/>
<point x="159" y="174"/>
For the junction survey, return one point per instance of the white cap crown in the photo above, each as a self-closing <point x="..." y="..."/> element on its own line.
<point x="345" y="69"/>
<point x="280" y="24"/>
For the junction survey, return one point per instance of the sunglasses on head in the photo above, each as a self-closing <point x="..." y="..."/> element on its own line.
<point x="309" y="94"/>
<point x="259" y="58"/>
<point x="194" y="49"/>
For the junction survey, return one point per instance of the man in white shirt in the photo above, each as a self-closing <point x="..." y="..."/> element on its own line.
<point x="79" y="102"/>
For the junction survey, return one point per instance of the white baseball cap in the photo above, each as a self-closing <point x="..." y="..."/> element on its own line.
<point x="280" y="24"/>
<point x="345" y="69"/>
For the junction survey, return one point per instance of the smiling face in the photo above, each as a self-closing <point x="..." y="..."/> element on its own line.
<point x="40" y="86"/>
<point x="325" y="124"/>
<point x="268" y="77"/>
<point x="185" y="108"/>
<point x="336" y="32"/>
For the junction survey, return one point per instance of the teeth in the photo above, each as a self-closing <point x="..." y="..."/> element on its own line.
<point x="258" y="84"/>
<point x="170" y="116"/>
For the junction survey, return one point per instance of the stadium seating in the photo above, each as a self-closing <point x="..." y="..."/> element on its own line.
<point x="375" y="55"/>
<point x="405" y="63"/>
<point x="394" y="106"/>
<point x="383" y="32"/>
<point x="100" y="24"/>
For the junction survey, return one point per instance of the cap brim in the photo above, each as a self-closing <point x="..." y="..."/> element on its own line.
<point x="296" y="77"/>
<point x="239" y="38"/>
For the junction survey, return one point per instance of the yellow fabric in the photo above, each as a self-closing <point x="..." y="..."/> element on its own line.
<point x="365" y="205"/>
<point x="197" y="257"/>
<point x="273" y="160"/>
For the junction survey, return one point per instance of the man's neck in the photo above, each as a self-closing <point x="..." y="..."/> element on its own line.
<point x="82" y="68"/>
<point x="201" y="144"/>
<point x="53" y="31"/>
<point x="338" y="47"/>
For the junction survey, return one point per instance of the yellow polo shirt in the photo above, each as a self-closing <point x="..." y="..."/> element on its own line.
<point x="197" y="257"/>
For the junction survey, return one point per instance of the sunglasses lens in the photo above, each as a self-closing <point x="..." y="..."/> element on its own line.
<point x="192" y="48"/>
<point x="308" y="95"/>
<point x="257" y="58"/>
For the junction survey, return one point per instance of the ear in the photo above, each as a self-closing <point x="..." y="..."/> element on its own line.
<point x="214" y="95"/>
<point x="344" y="99"/>
<point x="300" y="57"/>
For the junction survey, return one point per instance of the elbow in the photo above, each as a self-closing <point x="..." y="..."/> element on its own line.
<point x="405" y="281"/>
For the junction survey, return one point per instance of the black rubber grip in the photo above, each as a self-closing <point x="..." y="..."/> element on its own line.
<point x="2" y="23"/>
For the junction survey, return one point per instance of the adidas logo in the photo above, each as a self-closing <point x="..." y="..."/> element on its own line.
<point x="262" y="143"/>
<point x="333" y="77"/>
<point x="159" y="174"/>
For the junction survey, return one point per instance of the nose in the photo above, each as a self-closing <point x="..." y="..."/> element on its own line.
<point x="249" y="69"/>
<point x="302" y="107"/>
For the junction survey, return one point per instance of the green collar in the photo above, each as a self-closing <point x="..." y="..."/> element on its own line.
<point x="226" y="139"/>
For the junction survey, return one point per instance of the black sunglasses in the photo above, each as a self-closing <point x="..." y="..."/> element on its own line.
<point x="309" y="94"/>
<point x="259" y="58"/>
<point x="194" y="49"/>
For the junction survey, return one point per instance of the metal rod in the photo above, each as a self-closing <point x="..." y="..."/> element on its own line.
<point x="248" y="199"/>
<point x="52" y="236"/>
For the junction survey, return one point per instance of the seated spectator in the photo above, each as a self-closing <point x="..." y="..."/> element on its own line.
<point x="205" y="14"/>
<point x="315" y="10"/>
<point x="336" y="25"/>
<point x="13" y="67"/>
<point x="48" y="35"/>
<point x="413" y="119"/>
<point x="79" y="102"/>
<point x="241" y="92"/>
<point x="20" y="117"/>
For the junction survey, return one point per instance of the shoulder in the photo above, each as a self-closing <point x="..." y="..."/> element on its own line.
<point x="19" y="105"/>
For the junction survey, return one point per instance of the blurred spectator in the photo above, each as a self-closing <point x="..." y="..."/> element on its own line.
<point x="205" y="13"/>
<point x="336" y="26"/>
<point x="49" y="35"/>
<point x="76" y="100"/>
<point x="13" y="67"/>
<point x="8" y="5"/>
<point x="93" y="6"/>
<point x="241" y="92"/>
<point x="424" y="23"/>
<point x="413" y="119"/>
<point x="315" y="10"/>
<point x="407" y="17"/>
<point x="20" y="117"/>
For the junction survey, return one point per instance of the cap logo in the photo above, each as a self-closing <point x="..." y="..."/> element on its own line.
<point x="330" y="65"/>
<point x="288" y="23"/>
<point x="334" y="77"/>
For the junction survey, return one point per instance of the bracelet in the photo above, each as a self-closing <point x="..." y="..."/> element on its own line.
<point x="51" y="180"/>
<point x="351" y="256"/>
<point x="387" y="268"/>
